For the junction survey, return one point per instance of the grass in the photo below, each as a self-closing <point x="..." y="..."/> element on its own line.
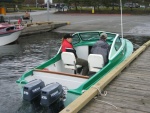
<point x="32" y="8"/>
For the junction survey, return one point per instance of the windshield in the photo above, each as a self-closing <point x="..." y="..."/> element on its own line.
<point x="90" y="36"/>
<point x="87" y="36"/>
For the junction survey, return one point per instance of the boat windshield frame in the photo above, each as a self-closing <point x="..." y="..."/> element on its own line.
<point x="81" y="39"/>
<point x="111" y="57"/>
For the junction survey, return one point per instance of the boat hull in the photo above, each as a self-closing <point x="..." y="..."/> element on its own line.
<point x="9" y="37"/>
<point x="120" y="50"/>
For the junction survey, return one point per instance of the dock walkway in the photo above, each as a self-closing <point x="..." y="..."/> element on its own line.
<point x="129" y="92"/>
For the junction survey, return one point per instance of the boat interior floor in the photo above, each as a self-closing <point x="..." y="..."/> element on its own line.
<point x="90" y="74"/>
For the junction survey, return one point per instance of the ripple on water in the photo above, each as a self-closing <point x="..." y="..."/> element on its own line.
<point x="18" y="58"/>
<point x="141" y="30"/>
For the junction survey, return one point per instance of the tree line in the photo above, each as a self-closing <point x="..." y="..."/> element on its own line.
<point x="98" y="3"/>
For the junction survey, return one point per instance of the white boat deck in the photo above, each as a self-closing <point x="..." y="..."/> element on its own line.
<point x="71" y="81"/>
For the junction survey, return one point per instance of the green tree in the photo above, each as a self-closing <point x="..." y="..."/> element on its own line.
<point x="106" y="3"/>
<point x="18" y="1"/>
<point x="95" y="3"/>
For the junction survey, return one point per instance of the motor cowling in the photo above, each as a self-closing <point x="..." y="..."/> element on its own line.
<point x="32" y="94"/>
<point x="52" y="97"/>
<point x="32" y="90"/>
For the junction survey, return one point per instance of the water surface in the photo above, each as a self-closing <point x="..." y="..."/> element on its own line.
<point x="15" y="59"/>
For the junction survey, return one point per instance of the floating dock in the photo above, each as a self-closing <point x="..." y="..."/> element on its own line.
<point x="40" y="27"/>
<point x="127" y="86"/>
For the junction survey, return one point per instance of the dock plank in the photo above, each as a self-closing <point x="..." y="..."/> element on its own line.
<point x="130" y="91"/>
<point x="100" y="107"/>
<point x="131" y="86"/>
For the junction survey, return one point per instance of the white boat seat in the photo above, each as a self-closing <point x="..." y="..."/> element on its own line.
<point x="96" y="62"/>
<point x="69" y="61"/>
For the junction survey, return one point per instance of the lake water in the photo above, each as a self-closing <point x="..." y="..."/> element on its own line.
<point x="29" y="52"/>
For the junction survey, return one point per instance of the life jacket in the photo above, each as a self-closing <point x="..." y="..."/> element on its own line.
<point x="65" y="44"/>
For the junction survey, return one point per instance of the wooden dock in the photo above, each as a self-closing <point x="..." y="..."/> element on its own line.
<point x="40" y="27"/>
<point x="129" y="92"/>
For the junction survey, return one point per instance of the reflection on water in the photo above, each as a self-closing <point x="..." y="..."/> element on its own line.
<point x="29" y="53"/>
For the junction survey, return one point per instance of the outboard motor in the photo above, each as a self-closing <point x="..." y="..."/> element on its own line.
<point x="52" y="97"/>
<point x="32" y="93"/>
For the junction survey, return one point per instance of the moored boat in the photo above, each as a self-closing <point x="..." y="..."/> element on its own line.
<point x="54" y="77"/>
<point x="9" y="33"/>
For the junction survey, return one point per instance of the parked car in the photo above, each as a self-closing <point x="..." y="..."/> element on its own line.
<point x="60" y="5"/>
<point x="142" y="6"/>
<point x="114" y="4"/>
<point x="45" y="5"/>
<point x="132" y="5"/>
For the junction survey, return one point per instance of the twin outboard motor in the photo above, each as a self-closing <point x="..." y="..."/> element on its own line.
<point x="32" y="93"/>
<point x="50" y="97"/>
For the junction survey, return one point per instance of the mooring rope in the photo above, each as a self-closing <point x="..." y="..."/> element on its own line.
<point x="103" y="94"/>
<point x="100" y="92"/>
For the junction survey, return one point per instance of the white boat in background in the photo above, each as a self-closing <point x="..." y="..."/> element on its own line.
<point x="9" y="33"/>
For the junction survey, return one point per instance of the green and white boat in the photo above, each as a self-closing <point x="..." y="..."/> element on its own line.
<point x="56" y="70"/>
